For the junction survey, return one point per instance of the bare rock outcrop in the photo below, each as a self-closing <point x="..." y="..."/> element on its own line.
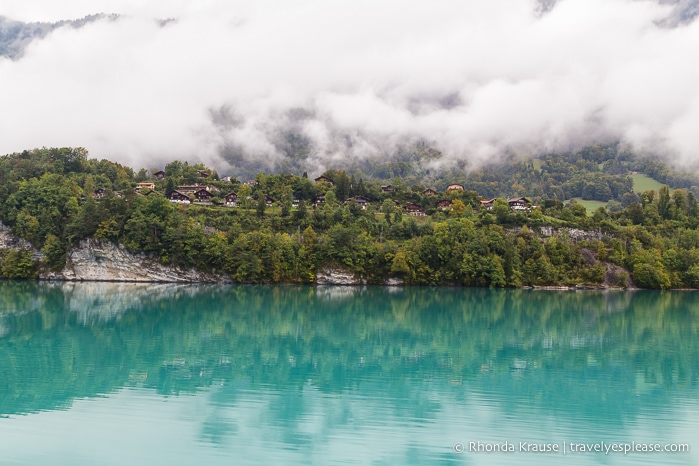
<point x="337" y="276"/>
<point x="10" y="241"/>
<point x="95" y="260"/>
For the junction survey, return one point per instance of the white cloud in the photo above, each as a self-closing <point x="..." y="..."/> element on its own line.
<point x="473" y="77"/>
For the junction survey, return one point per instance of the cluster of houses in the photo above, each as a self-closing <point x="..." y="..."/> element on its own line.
<point x="517" y="203"/>
<point x="196" y="193"/>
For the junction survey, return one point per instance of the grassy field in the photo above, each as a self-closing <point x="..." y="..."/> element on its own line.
<point x="640" y="183"/>
<point x="591" y="206"/>
<point x="644" y="183"/>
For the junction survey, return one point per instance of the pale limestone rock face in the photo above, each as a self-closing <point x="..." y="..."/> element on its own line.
<point x="337" y="276"/>
<point x="96" y="260"/>
<point x="395" y="282"/>
<point x="10" y="241"/>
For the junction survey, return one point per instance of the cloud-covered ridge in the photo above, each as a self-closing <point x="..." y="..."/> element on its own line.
<point x="251" y="82"/>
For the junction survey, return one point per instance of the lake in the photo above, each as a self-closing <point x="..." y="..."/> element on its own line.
<point x="147" y="374"/>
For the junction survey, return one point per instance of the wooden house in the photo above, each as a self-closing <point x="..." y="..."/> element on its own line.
<point x="191" y="189"/>
<point x="324" y="179"/>
<point x="430" y="192"/>
<point x="160" y="175"/>
<point x="231" y="200"/>
<point x="203" y="195"/>
<point x="387" y="188"/>
<point x="269" y="201"/>
<point x="361" y="201"/>
<point x="177" y="197"/>
<point x="203" y="173"/>
<point x="99" y="193"/>
<point x="414" y="210"/>
<point x="444" y="204"/>
<point x="519" y="203"/>
<point x="143" y="186"/>
<point x="487" y="204"/>
<point x="318" y="200"/>
<point x="455" y="187"/>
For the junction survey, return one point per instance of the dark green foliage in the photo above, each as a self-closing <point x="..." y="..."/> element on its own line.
<point x="17" y="263"/>
<point x="55" y="253"/>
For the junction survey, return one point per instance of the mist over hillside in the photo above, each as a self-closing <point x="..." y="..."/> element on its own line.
<point x="305" y="86"/>
<point x="15" y="36"/>
<point x="683" y="11"/>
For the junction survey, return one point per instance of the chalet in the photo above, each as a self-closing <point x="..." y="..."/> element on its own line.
<point x="318" y="200"/>
<point x="251" y="183"/>
<point x="269" y="200"/>
<point x="519" y="203"/>
<point x="177" y="197"/>
<point x="361" y="201"/>
<point x="387" y="188"/>
<point x="324" y="179"/>
<point x="444" y="204"/>
<point x="227" y="179"/>
<point x="99" y="193"/>
<point x="487" y="204"/>
<point x="295" y="202"/>
<point x="192" y="189"/>
<point x="203" y="195"/>
<point x="231" y="199"/>
<point x="203" y="173"/>
<point x="141" y="186"/>
<point x="430" y="192"/>
<point x="160" y="175"/>
<point x="455" y="187"/>
<point x="414" y="210"/>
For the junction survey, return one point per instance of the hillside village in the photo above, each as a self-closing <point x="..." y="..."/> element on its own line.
<point x="227" y="192"/>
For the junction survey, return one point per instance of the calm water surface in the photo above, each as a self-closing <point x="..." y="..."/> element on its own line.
<point x="114" y="374"/>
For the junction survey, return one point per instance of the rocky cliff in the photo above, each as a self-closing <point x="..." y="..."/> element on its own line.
<point x="96" y="260"/>
<point x="10" y="241"/>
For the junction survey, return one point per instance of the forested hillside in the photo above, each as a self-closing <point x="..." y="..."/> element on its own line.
<point x="283" y="228"/>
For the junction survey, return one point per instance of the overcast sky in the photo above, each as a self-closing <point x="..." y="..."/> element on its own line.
<point x="473" y="77"/>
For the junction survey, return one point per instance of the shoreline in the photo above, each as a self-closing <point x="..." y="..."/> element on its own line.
<point x="349" y="285"/>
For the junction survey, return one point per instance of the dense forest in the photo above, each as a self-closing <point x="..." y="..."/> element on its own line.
<point x="279" y="232"/>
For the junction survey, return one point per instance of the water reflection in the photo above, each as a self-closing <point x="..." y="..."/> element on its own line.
<point x="312" y="369"/>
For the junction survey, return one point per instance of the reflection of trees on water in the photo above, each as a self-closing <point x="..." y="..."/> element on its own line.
<point x="575" y="354"/>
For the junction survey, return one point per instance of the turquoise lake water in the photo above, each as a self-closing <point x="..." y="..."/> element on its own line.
<point x="116" y="374"/>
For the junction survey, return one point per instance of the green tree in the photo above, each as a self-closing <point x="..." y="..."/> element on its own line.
<point x="399" y="264"/>
<point x="261" y="206"/>
<point x="664" y="202"/>
<point x="458" y="208"/>
<point x="501" y="210"/>
<point x="244" y="194"/>
<point x="18" y="264"/>
<point x="55" y="253"/>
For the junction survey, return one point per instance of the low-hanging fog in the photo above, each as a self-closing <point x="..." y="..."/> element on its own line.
<point x="242" y="82"/>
